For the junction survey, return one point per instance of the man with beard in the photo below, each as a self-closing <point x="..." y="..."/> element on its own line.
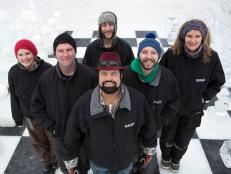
<point x="112" y="119"/>
<point x="158" y="85"/>
<point x="58" y="89"/>
<point x="107" y="42"/>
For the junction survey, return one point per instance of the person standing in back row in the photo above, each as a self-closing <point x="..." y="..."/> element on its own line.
<point x="22" y="79"/>
<point x="200" y="76"/>
<point x="107" y="42"/>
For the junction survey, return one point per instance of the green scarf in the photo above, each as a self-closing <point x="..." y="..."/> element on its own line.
<point x="136" y="66"/>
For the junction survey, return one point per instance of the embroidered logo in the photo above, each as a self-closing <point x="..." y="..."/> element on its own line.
<point x="157" y="102"/>
<point x="129" y="125"/>
<point x="200" y="80"/>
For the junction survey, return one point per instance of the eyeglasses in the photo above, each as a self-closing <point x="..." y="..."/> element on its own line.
<point x="108" y="63"/>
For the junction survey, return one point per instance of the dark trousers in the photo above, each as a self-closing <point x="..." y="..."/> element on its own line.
<point x="83" y="165"/>
<point x="42" y="141"/>
<point x="59" y="144"/>
<point x="175" y="138"/>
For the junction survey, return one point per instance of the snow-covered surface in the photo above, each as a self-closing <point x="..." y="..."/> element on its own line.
<point x="7" y="147"/>
<point x="41" y="21"/>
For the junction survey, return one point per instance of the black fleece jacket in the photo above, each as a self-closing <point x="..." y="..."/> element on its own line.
<point x="95" y="48"/>
<point x="198" y="81"/>
<point x="21" y="86"/>
<point x="113" y="142"/>
<point x="162" y="95"/>
<point x="55" y="95"/>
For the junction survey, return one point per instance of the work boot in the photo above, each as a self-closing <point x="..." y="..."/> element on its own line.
<point x="165" y="164"/>
<point x="175" y="167"/>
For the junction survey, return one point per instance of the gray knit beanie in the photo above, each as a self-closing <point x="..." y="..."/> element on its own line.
<point x="193" y="24"/>
<point x="107" y="16"/>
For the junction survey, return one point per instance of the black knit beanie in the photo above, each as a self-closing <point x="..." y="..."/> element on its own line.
<point x="64" y="38"/>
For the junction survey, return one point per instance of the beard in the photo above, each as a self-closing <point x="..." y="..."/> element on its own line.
<point x="143" y="66"/>
<point x="111" y="89"/>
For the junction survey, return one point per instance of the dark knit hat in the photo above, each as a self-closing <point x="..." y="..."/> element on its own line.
<point x="149" y="41"/>
<point x="109" y="61"/>
<point x="64" y="38"/>
<point x="193" y="24"/>
<point x="25" y="44"/>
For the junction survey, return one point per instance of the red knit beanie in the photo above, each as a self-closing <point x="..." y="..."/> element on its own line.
<point x="25" y="44"/>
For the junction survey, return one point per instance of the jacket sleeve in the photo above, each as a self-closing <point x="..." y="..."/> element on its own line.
<point x="217" y="79"/>
<point x="130" y="56"/>
<point x="164" y="59"/>
<point x="74" y="137"/>
<point x="39" y="108"/>
<point x="15" y="107"/>
<point x="171" y="107"/>
<point x="87" y="57"/>
<point x="148" y="132"/>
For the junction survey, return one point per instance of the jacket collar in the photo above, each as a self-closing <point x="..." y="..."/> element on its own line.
<point x="156" y="80"/>
<point x="38" y="61"/>
<point x="64" y="78"/>
<point x="96" y="107"/>
<point x="114" y="43"/>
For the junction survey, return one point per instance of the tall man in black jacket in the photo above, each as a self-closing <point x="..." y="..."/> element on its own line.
<point x="107" y="41"/>
<point x="59" y="88"/>
<point x="112" y="119"/>
<point x="158" y="85"/>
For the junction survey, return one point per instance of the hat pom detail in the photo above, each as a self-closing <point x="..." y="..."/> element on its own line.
<point x="151" y="35"/>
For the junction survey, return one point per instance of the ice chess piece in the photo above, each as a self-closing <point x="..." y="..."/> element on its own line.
<point x="173" y="30"/>
<point x="225" y="153"/>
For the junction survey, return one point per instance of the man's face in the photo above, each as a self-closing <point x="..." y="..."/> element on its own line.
<point x="107" y="30"/>
<point x="148" y="58"/>
<point x="109" y="80"/>
<point x="26" y="58"/>
<point x="65" y="55"/>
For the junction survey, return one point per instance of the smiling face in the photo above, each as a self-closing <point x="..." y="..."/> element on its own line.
<point x="108" y="30"/>
<point x="148" y="58"/>
<point x="193" y="40"/>
<point x="26" y="58"/>
<point x="65" y="55"/>
<point x="109" y="80"/>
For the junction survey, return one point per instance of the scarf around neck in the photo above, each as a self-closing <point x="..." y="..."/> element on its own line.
<point x="136" y="67"/>
<point x="194" y="54"/>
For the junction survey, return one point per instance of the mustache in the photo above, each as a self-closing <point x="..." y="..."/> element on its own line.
<point x="110" y="81"/>
<point x="146" y="60"/>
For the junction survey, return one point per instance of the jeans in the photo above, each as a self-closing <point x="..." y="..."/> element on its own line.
<point x="101" y="170"/>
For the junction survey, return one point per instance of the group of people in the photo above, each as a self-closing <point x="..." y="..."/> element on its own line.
<point x="105" y="113"/>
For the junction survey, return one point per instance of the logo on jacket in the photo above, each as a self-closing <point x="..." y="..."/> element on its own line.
<point x="157" y="102"/>
<point x="200" y="80"/>
<point x="129" y="125"/>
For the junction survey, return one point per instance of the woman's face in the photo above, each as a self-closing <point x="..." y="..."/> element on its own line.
<point x="193" y="40"/>
<point x="26" y="58"/>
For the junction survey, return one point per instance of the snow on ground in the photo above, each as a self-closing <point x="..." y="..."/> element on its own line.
<point x="41" y="21"/>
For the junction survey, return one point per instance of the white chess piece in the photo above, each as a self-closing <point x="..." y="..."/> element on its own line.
<point x="225" y="153"/>
<point x="173" y="31"/>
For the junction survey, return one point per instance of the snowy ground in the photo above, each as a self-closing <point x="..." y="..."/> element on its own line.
<point x="42" y="20"/>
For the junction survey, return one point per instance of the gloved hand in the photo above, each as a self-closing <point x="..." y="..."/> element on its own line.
<point x="73" y="171"/>
<point x="145" y="160"/>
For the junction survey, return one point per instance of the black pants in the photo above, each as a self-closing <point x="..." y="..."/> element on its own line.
<point x="59" y="144"/>
<point x="83" y="165"/>
<point x="175" y="138"/>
